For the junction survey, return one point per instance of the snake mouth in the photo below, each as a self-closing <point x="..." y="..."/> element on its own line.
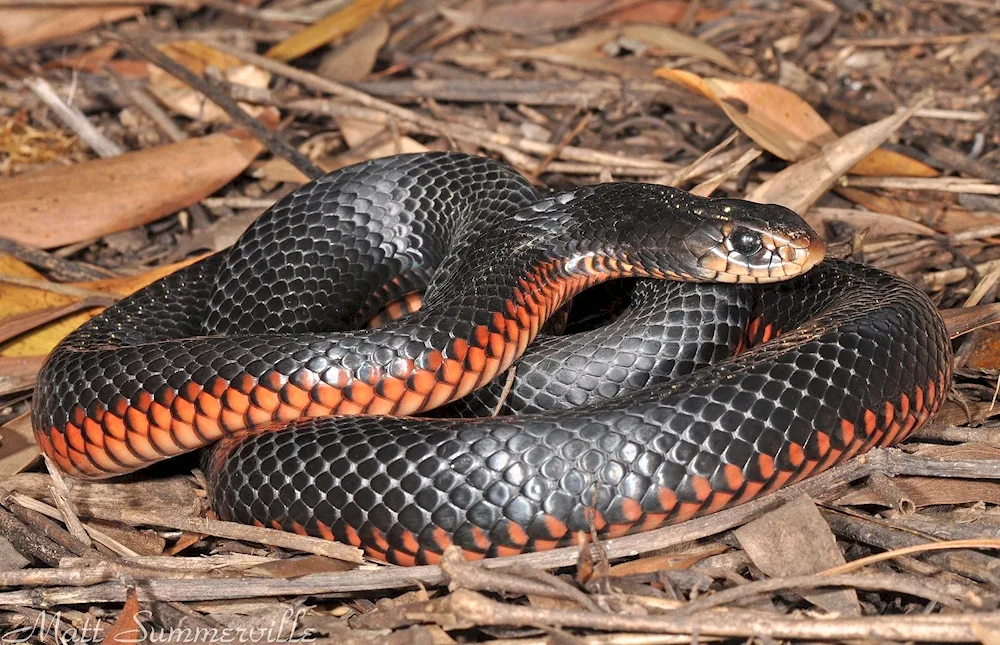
<point x="756" y="255"/>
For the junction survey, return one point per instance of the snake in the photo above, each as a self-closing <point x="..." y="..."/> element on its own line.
<point x="745" y="361"/>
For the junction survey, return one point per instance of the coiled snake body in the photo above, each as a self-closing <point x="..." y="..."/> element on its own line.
<point x="702" y="396"/>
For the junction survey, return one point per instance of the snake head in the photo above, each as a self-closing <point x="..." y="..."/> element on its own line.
<point x="741" y="241"/>
<point x="649" y="230"/>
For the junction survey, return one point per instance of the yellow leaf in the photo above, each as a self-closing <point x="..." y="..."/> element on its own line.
<point x="15" y="300"/>
<point x="336" y="25"/>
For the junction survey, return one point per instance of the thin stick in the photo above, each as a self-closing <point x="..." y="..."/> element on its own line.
<point x="61" y="269"/>
<point x="854" y="565"/>
<point x="98" y="298"/>
<point x="563" y="142"/>
<point x="471" y="607"/>
<point x="141" y="99"/>
<point x="74" y="119"/>
<point x="273" y="140"/>
<point x="942" y="184"/>
<point x="874" y="582"/>
<point x="505" y="392"/>
<point x="60" y="493"/>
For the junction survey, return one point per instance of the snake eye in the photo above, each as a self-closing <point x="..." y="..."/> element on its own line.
<point x="745" y="241"/>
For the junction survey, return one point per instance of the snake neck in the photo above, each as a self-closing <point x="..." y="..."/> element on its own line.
<point x="481" y="333"/>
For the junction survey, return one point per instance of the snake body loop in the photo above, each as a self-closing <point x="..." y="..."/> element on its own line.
<point x="700" y="397"/>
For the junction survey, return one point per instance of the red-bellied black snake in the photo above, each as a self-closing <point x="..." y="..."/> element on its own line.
<point x="700" y="397"/>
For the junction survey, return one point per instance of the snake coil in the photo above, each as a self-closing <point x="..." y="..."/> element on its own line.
<point x="700" y="397"/>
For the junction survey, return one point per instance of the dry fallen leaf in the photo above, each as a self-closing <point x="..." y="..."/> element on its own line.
<point x="986" y="354"/>
<point x="126" y="629"/>
<point x="797" y="527"/>
<point x="18" y="373"/>
<point x="66" y="204"/>
<point x="354" y="59"/>
<point x="962" y="320"/>
<point x="197" y="56"/>
<point x="301" y="566"/>
<point x="17" y="324"/>
<point x="784" y="124"/>
<point x="674" y="43"/>
<point x="798" y="186"/>
<point x="336" y="25"/>
<point x="16" y="301"/>
<point x="30" y="26"/>
<point x="669" y="561"/>
<point x="662" y="12"/>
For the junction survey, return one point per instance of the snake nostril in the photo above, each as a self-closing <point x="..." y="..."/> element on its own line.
<point x="790" y="253"/>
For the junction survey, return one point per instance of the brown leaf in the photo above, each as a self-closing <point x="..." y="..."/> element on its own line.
<point x="672" y="561"/>
<point x="126" y="628"/>
<point x="19" y="304"/>
<point x="66" y="204"/>
<point x="879" y="225"/>
<point x="142" y="542"/>
<point x="889" y="163"/>
<point x="674" y="43"/>
<point x="957" y="452"/>
<point x="662" y="12"/>
<point x="800" y="185"/>
<point x="586" y="50"/>
<point x="547" y="602"/>
<point x="798" y="528"/>
<point x="186" y="540"/>
<point x="531" y="16"/>
<point x="18" y="324"/>
<point x="784" y="124"/>
<point x="355" y="59"/>
<point x="30" y="26"/>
